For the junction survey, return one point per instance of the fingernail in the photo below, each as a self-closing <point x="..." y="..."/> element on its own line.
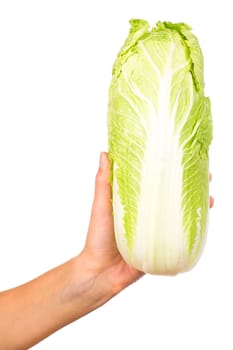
<point x="103" y="161"/>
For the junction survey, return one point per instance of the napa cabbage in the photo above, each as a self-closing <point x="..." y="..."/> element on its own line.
<point x="159" y="132"/>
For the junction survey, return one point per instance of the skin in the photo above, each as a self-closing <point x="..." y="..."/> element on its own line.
<point x="34" y="310"/>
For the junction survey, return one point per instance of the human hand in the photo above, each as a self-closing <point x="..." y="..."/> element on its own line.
<point x="100" y="249"/>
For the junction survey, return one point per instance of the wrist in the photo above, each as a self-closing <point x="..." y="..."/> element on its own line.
<point x="87" y="287"/>
<point x="111" y="276"/>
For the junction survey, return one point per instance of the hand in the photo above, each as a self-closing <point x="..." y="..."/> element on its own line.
<point x="100" y="248"/>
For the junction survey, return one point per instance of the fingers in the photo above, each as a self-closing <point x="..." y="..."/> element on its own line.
<point x="211" y="202"/>
<point x="211" y="198"/>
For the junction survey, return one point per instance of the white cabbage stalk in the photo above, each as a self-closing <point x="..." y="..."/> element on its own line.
<point x="159" y="129"/>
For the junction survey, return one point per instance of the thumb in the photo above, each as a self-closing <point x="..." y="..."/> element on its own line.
<point x="103" y="193"/>
<point x="101" y="224"/>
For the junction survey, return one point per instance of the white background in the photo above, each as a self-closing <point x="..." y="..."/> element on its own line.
<point x="55" y="69"/>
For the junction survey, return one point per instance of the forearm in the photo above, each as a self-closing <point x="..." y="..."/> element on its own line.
<point x="31" y="312"/>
